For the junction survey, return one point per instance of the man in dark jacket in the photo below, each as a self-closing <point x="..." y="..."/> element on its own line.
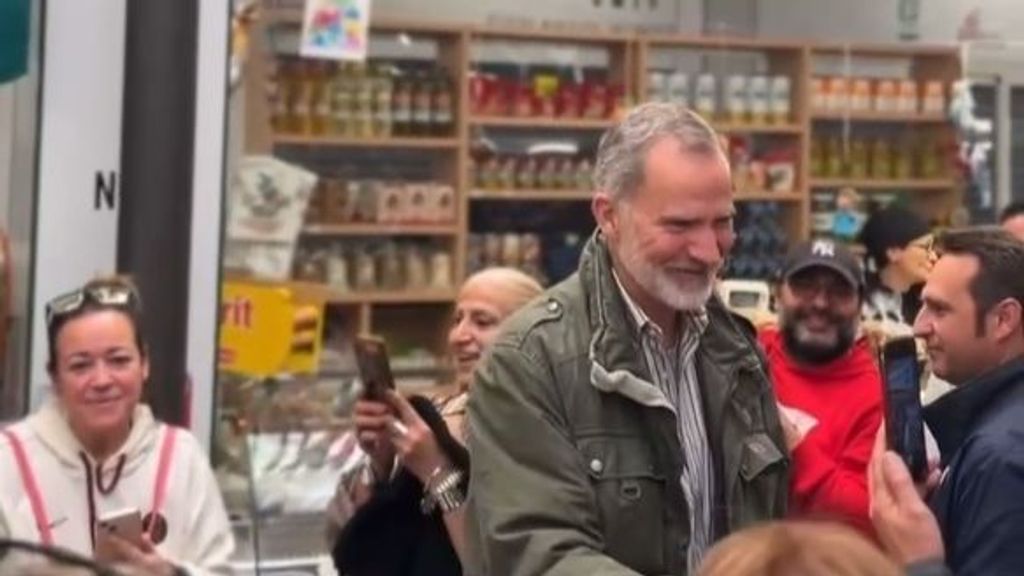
<point x="624" y="421"/>
<point x="971" y="322"/>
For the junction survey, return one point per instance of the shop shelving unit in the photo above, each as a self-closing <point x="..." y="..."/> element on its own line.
<point x="723" y="56"/>
<point x="935" y="195"/>
<point x="410" y="318"/>
<point x="627" y="61"/>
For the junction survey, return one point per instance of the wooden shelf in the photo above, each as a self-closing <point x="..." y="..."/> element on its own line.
<point x="875" y="184"/>
<point x="380" y="229"/>
<point x="738" y="128"/>
<point x="887" y="50"/>
<point x="542" y="123"/>
<point x="719" y="43"/>
<point x="407" y="142"/>
<point x="769" y="196"/>
<point x="528" y="34"/>
<point x="890" y="117"/>
<point x="315" y="291"/>
<point x="531" y="195"/>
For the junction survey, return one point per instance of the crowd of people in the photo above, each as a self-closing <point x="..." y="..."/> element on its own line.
<point x="622" y="422"/>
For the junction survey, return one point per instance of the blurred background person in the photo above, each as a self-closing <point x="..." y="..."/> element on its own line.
<point x="416" y="455"/>
<point x="897" y="242"/>
<point x="826" y="381"/>
<point x="794" y="548"/>
<point x="94" y="449"/>
<point x="1012" y="219"/>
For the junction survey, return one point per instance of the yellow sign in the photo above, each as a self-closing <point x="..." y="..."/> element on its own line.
<point x="264" y="331"/>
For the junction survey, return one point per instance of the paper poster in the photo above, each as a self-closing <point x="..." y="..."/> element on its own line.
<point x="336" y="29"/>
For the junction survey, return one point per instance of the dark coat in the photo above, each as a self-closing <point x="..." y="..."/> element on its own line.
<point x="980" y="501"/>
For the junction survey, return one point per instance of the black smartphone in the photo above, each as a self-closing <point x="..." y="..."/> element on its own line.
<point x="904" y="419"/>
<point x="374" y="367"/>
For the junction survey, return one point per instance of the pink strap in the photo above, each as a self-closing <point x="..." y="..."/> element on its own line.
<point x="28" y="480"/>
<point x="163" y="470"/>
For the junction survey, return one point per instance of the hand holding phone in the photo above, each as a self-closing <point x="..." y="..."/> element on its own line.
<point x="126" y="524"/>
<point x="374" y="367"/>
<point x="904" y="419"/>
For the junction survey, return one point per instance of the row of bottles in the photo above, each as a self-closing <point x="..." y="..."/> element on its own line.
<point x="316" y="97"/>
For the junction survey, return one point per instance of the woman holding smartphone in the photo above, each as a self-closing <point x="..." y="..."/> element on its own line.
<point x="402" y="512"/>
<point x="92" y="471"/>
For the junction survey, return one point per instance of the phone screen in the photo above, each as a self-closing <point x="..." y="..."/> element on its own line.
<point x="374" y="367"/>
<point x="904" y="420"/>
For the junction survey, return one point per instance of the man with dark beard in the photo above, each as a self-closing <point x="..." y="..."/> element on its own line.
<point x="826" y="380"/>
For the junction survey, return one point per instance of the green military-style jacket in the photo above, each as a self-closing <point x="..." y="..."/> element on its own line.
<point x="575" y="457"/>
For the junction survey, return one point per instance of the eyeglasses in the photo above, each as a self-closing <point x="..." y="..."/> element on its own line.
<point x="110" y="295"/>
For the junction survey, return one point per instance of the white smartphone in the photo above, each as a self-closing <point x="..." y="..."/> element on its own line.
<point x="125" y="523"/>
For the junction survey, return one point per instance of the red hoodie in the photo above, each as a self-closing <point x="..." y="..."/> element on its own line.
<point x="845" y="397"/>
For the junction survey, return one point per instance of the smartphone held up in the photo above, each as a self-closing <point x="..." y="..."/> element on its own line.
<point x="904" y="418"/>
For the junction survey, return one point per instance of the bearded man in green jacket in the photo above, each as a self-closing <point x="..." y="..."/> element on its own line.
<point x="624" y="422"/>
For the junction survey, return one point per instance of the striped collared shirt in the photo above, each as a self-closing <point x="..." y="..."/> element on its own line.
<point x="672" y="368"/>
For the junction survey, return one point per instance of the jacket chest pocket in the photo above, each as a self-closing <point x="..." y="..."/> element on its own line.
<point x="630" y="491"/>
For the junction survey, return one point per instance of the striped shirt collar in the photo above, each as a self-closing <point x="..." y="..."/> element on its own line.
<point x="696" y="320"/>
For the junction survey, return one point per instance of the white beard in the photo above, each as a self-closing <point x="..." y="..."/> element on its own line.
<point x="659" y="283"/>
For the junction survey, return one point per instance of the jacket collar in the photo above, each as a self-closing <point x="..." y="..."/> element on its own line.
<point x="954" y="416"/>
<point x="615" y="353"/>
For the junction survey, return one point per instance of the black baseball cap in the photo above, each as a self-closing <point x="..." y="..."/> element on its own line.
<point x="825" y="254"/>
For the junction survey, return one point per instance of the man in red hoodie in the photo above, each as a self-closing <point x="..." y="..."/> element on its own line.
<point x="826" y="380"/>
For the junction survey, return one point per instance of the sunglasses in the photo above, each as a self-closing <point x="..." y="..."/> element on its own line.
<point x="71" y="302"/>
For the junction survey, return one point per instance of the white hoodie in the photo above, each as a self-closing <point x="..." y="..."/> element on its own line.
<point x="199" y="537"/>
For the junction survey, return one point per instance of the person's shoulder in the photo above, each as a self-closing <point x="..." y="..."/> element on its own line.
<point x="545" y="322"/>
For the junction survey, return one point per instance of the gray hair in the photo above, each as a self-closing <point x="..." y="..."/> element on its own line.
<point x="619" y="168"/>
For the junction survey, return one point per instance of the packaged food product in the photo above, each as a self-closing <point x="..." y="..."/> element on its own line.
<point x="908" y="99"/>
<point x="817" y="158"/>
<point x="886" y="96"/>
<point x="422" y="105"/>
<point x="567" y="102"/>
<point x="441" y="270"/>
<point x="444" y="207"/>
<point x="382" y="97"/>
<point x="526" y="175"/>
<point x="780" y="98"/>
<point x="934" y="101"/>
<point x="657" y="86"/>
<point x="678" y="89"/>
<point x="903" y="163"/>
<point x="736" y="97"/>
<point x="706" y="96"/>
<point x="881" y="159"/>
<point x="584" y="174"/>
<point x="858" y="165"/>
<point x="443" y="104"/>
<point x="819" y="94"/>
<point x="525" y="104"/>
<point x="860" y="98"/>
<point x="401" y="107"/>
<point x="595" y="100"/>
<point x="758" y="99"/>
<point x="416" y="268"/>
<point x="507" y="174"/>
<point x="835" y="158"/>
<point x="547" y="173"/>
<point x="838" y="94"/>
<point x="362" y="113"/>
<point x="337" y="269"/>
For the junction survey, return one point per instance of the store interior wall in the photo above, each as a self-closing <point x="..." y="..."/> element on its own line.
<point x="939" y="21"/>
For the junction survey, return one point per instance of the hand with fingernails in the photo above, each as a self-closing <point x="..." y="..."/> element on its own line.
<point x="390" y="428"/>
<point x="132" y="558"/>
<point x="904" y="523"/>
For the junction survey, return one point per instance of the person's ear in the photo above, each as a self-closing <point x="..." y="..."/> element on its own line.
<point x="1004" y="319"/>
<point x="894" y="255"/>
<point x="606" y="214"/>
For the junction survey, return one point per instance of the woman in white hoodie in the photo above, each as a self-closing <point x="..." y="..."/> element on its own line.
<point x="93" y="450"/>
